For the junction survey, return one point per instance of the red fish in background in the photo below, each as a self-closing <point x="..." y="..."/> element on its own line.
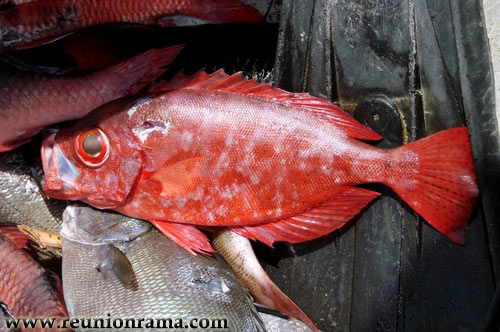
<point x="35" y="22"/>
<point x="216" y="150"/>
<point x="28" y="289"/>
<point x="32" y="101"/>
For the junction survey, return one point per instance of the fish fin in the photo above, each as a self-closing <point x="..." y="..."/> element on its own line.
<point x="146" y="67"/>
<point x="237" y="84"/>
<point x="15" y="235"/>
<point x="229" y="11"/>
<point x="187" y="236"/>
<point x="444" y="187"/>
<point x="113" y="261"/>
<point x="41" y="42"/>
<point x="313" y="223"/>
<point x="179" y="178"/>
<point x="284" y="304"/>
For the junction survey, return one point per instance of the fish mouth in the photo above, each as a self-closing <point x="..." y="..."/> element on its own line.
<point x="60" y="174"/>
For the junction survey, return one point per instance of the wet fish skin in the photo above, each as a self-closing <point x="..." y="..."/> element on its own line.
<point x="21" y="199"/>
<point x="28" y="24"/>
<point x="219" y="151"/>
<point x="280" y="324"/>
<point x="32" y="101"/>
<point x="28" y="289"/>
<point x="172" y="283"/>
<point x="237" y="251"/>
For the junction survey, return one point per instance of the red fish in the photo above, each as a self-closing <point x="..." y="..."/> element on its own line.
<point x="38" y="21"/>
<point x="216" y="150"/>
<point x="32" y="101"/>
<point x="27" y="288"/>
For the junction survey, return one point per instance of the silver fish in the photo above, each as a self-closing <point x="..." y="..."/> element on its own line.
<point x="21" y="200"/>
<point x="123" y="268"/>
<point x="280" y="324"/>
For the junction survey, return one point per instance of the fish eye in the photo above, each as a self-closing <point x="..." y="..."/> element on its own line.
<point x="92" y="148"/>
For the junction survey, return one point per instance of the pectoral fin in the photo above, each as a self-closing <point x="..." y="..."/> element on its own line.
<point x="113" y="262"/>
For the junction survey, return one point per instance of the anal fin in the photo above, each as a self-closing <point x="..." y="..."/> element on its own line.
<point x="187" y="236"/>
<point x="314" y="223"/>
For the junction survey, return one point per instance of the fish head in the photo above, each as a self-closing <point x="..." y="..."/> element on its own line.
<point x="96" y="160"/>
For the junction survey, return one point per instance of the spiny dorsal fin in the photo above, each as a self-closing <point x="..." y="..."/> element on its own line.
<point x="237" y="84"/>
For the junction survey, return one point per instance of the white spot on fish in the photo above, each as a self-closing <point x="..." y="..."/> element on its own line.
<point x="223" y="161"/>
<point x="186" y="140"/>
<point x="254" y="178"/>
<point x="180" y="202"/>
<point x="149" y="127"/>
<point x="140" y="102"/>
<point x="229" y="139"/>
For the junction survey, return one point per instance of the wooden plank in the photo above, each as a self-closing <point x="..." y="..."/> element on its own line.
<point x="449" y="275"/>
<point x="476" y="77"/>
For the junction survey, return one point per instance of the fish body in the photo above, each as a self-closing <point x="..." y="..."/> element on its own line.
<point x="21" y="199"/>
<point x="237" y="251"/>
<point x="280" y="324"/>
<point x="32" y="101"/>
<point x="216" y="150"/>
<point x="32" y="22"/>
<point x="160" y="280"/>
<point x="28" y="289"/>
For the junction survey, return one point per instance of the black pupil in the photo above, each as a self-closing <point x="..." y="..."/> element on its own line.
<point x="92" y="146"/>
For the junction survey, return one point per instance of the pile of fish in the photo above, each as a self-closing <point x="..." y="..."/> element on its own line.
<point x="193" y="167"/>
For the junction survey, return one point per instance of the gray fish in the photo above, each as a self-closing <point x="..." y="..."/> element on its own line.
<point x="123" y="268"/>
<point x="280" y="324"/>
<point x="21" y="200"/>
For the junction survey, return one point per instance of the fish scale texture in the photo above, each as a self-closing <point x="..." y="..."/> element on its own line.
<point x="172" y="283"/>
<point x="21" y="200"/>
<point x="34" y="21"/>
<point x="29" y="102"/>
<point x="28" y="289"/>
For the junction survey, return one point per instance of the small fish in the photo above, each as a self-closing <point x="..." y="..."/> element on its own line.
<point x="238" y="253"/>
<point x="32" y="101"/>
<point x="28" y="289"/>
<point x="39" y="21"/>
<point x="21" y="199"/>
<point x="122" y="267"/>
<point x="217" y="150"/>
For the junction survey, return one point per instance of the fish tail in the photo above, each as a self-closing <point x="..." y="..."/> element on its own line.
<point x="144" y="68"/>
<point x="435" y="176"/>
<point x="229" y="11"/>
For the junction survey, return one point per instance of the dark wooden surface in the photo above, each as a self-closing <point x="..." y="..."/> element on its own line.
<point x="389" y="270"/>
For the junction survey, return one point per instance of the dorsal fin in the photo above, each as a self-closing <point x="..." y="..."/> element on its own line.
<point x="236" y="83"/>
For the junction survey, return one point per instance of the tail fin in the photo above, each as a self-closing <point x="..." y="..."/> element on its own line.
<point x="443" y="187"/>
<point x="146" y="67"/>
<point x="229" y="11"/>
